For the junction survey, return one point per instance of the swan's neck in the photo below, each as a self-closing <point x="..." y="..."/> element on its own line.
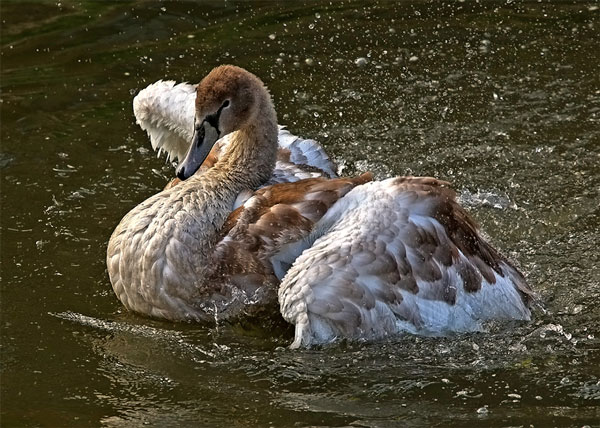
<point x="247" y="163"/>
<point x="249" y="158"/>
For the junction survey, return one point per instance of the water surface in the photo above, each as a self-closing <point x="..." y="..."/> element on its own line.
<point x="500" y="98"/>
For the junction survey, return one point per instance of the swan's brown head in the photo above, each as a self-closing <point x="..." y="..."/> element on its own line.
<point x="227" y="99"/>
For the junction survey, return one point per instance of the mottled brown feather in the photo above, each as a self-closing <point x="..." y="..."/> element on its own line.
<point x="275" y="216"/>
<point x="464" y="237"/>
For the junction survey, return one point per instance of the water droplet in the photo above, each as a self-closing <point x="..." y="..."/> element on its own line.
<point x="272" y="36"/>
<point x="361" y="62"/>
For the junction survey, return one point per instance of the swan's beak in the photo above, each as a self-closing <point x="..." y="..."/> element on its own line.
<point x="205" y="137"/>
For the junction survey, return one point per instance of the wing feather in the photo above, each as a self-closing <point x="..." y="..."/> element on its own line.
<point x="165" y="110"/>
<point x="275" y="224"/>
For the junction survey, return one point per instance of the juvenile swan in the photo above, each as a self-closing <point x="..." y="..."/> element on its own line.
<point x="342" y="257"/>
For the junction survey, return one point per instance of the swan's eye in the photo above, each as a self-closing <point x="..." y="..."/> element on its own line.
<point x="225" y="104"/>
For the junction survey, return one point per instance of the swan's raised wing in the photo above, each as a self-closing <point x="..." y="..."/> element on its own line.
<point x="165" y="110"/>
<point x="398" y="255"/>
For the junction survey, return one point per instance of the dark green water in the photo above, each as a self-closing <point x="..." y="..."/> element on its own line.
<point x="501" y="98"/>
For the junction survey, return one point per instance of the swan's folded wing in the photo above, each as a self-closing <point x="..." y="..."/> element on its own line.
<point x="276" y="223"/>
<point x="165" y="110"/>
<point x="399" y="255"/>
